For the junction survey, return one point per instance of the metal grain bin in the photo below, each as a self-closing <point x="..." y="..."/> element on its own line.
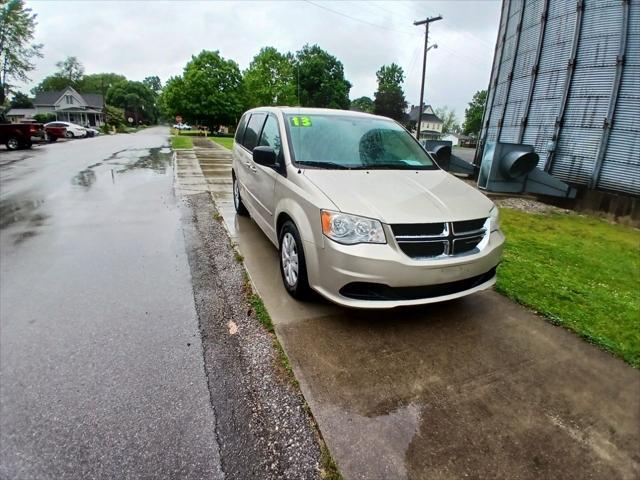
<point x="566" y="80"/>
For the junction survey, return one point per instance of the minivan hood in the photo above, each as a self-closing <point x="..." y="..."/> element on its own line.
<point x="401" y="196"/>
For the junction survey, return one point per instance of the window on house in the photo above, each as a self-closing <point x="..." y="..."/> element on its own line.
<point x="69" y="99"/>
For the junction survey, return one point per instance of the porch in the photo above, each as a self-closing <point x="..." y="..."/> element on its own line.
<point x="94" y="118"/>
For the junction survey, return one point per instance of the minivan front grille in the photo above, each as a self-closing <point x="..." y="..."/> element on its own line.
<point x="429" y="240"/>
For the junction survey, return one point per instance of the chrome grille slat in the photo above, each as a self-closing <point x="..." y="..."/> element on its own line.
<point x="415" y="242"/>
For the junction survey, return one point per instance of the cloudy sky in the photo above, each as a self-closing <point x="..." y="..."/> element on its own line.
<point x="142" y="38"/>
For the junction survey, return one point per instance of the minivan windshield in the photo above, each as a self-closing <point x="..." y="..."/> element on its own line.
<point x="353" y="142"/>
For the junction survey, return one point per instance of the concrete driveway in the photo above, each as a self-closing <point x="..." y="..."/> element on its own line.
<point x="478" y="387"/>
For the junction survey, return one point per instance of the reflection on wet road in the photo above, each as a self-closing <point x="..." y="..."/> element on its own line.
<point x="473" y="388"/>
<point x="100" y="357"/>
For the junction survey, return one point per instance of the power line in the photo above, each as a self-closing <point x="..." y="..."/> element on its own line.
<point x="358" y="19"/>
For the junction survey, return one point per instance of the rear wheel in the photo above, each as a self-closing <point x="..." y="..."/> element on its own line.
<point x="237" y="201"/>
<point x="69" y="135"/>
<point x="293" y="267"/>
<point x="12" y="143"/>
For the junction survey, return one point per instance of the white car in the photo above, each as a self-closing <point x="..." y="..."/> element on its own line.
<point x="73" y="130"/>
<point x="182" y="126"/>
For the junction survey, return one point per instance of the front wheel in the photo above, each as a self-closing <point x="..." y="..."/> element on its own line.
<point x="12" y="143"/>
<point x="293" y="267"/>
<point x="237" y="201"/>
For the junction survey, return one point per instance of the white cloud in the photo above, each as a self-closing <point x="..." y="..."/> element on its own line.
<point x="141" y="38"/>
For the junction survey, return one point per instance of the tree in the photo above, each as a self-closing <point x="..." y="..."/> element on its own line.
<point x="70" y="74"/>
<point x="52" y="83"/>
<point x="99" y="82"/>
<point x="449" y="120"/>
<point x="153" y="83"/>
<point x="270" y="79"/>
<point x="20" y="100"/>
<point x="473" y="114"/>
<point x="172" y="101"/>
<point x="363" y="104"/>
<point x="321" y="79"/>
<point x="389" y="98"/>
<point x="71" y="69"/>
<point x="17" y="26"/>
<point x="137" y="100"/>
<point x="44" y="117"/>
<point x="210" y="91"/>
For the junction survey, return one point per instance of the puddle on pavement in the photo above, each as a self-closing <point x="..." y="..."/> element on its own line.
<point x="29" y="213"/>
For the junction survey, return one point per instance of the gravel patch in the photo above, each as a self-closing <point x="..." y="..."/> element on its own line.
<point x="528" y="205"/>
<point x="262" y="425"/>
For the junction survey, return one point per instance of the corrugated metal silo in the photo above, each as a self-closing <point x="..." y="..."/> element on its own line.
<point x="566" y="79"/>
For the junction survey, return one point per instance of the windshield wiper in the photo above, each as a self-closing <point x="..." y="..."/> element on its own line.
<point x="329" y="165"/>
<point x="391" y="166"/>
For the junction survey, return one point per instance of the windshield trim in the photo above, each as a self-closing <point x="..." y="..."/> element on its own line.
<point x="302" y="166"/>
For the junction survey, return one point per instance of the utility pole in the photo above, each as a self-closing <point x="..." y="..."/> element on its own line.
<point x="426" y="23"/>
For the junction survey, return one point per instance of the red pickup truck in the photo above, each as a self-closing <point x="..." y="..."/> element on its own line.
<point x="20" y="135"/>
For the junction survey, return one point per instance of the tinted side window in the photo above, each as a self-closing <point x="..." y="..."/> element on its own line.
<point x="271" y="135"/>
<point x="253" y="130"/>
<point x="241" y="126"/>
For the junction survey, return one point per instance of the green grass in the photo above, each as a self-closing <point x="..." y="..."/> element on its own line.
<point x="581" y="272"/>
<point x="181" y="142"/>
<point x="226" y="142"/>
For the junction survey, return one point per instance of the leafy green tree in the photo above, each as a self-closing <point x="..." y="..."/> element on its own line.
<point x="389" y="98"/>
<point x="172" y="100"/>
<point x="270" y="79"/>
<point x="44" y="117"/>
<point x="210" y="91"/>
<point x="20" y="100"/>
<point x="137" y="100"/>
<point x="17" y="26"/>
<point x="364" y="104"/>
<point x="153" y="83"/>
<point x="99" y="82"/>
<point x="114" y="116"/>
<point x="473" y="113"/>
<point x="449" y="119"/>
<point x="321" y="79"/>
<point x="72" y="69"/>
<point x="52" y="83"/>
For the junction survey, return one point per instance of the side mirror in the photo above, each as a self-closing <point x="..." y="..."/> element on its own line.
<point x="265" y="156"/>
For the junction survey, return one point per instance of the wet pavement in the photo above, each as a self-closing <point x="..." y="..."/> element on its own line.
<point x="474" y="388"/>
<point x="101" y="369"/>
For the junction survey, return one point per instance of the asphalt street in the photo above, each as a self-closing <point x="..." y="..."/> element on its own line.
<point x="102" y="373"/>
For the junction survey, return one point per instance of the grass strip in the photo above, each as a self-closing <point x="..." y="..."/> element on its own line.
<point x="181" y="142"/>
<point x="580" y="272"/>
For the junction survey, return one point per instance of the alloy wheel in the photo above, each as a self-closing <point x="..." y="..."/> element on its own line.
<point x="289" y="258"/>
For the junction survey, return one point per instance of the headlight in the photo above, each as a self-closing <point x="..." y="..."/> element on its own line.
<point x="350" y="229"/>
<point x="494" y="216"/>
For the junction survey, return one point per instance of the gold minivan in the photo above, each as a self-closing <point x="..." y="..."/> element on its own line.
<point x="359" y="211"/>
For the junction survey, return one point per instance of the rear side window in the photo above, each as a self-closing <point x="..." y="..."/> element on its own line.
<point x="241" y="126"/>
<point x="253" y="131"/>
<point x="271" y="135"/>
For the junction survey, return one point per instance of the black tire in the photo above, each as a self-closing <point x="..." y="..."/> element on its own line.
<point x="52" y="139"/>
<point x="27" y="145"/>
<point x="298" y="289"/>
<point x="12" y="143"/>
<point x="237" y="200"/>
<point x="69" y="135"/>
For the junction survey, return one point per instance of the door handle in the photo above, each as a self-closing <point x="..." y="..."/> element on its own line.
<point x="251" y="167"/>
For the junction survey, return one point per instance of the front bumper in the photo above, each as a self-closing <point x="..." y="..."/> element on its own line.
<point x="389" y="278"/>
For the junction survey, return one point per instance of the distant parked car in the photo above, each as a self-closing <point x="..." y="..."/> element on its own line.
<point x="73" y="130"/>
<point x="20" y="135"/>
<point x="92" y="132"/>
<point x="52" y="134"/>
<point x="182" y="126"/>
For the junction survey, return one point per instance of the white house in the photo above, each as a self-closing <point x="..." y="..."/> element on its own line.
<point x="71" y="106"/>
<point x="431" y="124"/>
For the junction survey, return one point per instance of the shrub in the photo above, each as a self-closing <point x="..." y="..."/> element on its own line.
<point x="45" y="117"/>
